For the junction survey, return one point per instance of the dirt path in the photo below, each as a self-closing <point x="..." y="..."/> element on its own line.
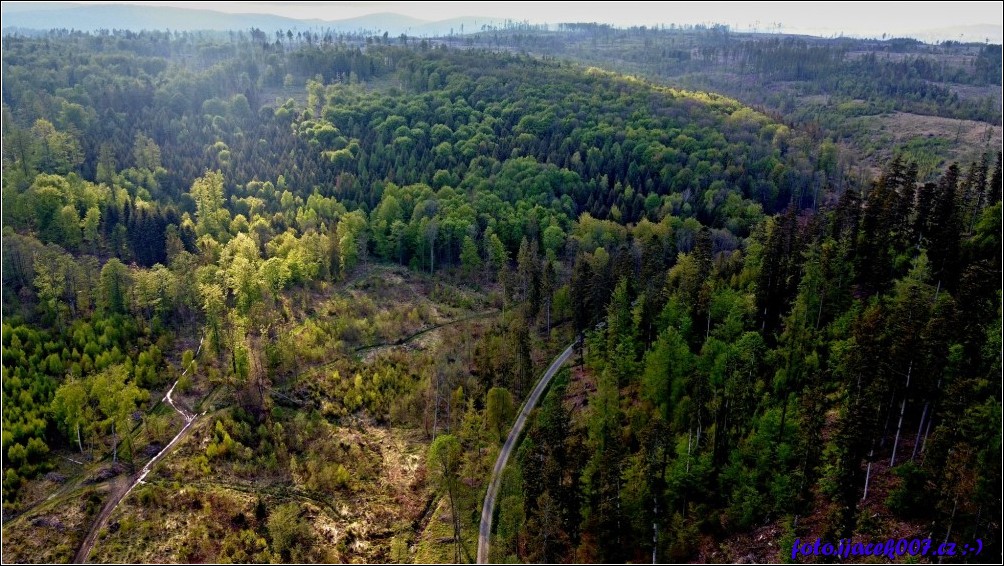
<point x="367" y="351"/>
<point x="485" y="531"/>
<point x="121" y="489"/>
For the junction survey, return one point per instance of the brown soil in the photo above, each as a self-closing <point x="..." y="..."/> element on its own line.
<point x="118" y="487"/>
<point x="904" y="126"/>
<point x="762" y="544"/>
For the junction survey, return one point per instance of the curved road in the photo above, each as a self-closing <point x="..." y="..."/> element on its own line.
<point x="488" y="510"/>
<point x="118" y="491"/>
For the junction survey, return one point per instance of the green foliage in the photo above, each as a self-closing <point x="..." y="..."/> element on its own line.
<point x="443" y="460"/>
<point x="245" y="546"/>
<point x="207" y="192"/>
<point x="470" y="259"/>
<point x="114" y="286"/>
<point x="741" y="359"/>
<point x="499" y="411"/>
<point x="71" y="408"/>
<point x="748" y="412"/>
<point x="222" y="446"/>
<point x="290" y="535"/>
<point x="909" y="498"/>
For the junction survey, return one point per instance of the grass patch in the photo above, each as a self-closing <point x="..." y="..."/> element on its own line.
<point x="52" y="532"/>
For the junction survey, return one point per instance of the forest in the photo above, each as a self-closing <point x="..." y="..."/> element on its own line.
<point x="285" y="295"/>
<point x="931" y="104"/>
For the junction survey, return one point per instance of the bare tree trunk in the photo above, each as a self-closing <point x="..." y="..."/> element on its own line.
<point x="655" y="528"/>
<point x="79" y="444"/>
<point x="435" y="418"/>
<point x="920" y="429"/>
<point x="690" y="435"/>
<point x="456" y="526"/>
<point x="697" y="443"/>
<point x="819" y="312"/>
<point x="926" y="432"/>
<point x="902" y="409"/>
<point x="930" y="418"/>
<point x="868" y="472"/>
<point x="951" y="521"/>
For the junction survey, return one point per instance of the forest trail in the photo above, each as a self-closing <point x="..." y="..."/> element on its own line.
<point x="366" y="352"/>
<point x="117" y="493"/>
<point x="488" y="510"/>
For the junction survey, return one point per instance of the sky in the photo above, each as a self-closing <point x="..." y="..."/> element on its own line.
<point x="870" y="19"/>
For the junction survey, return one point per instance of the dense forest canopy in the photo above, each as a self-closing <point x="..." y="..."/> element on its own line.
<point x="932" y="103"/>
<point x="893" y="74"/>
<point x="769" y="338"/>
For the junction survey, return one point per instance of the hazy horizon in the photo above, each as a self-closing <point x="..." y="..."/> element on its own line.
<point x="927" y="21"/>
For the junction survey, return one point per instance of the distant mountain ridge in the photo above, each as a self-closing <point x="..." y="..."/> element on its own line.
<point x="94" y="17"/>
<point x="135" y="17"/>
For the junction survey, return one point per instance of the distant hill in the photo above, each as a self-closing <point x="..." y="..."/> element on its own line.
<point x="63" y="15"/>
<point x="21" y="7"/>
<point x="128" y="16"/>
<point x="134" y="17"/>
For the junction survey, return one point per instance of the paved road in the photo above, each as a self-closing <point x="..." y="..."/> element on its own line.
<point x="484" y="535"/>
